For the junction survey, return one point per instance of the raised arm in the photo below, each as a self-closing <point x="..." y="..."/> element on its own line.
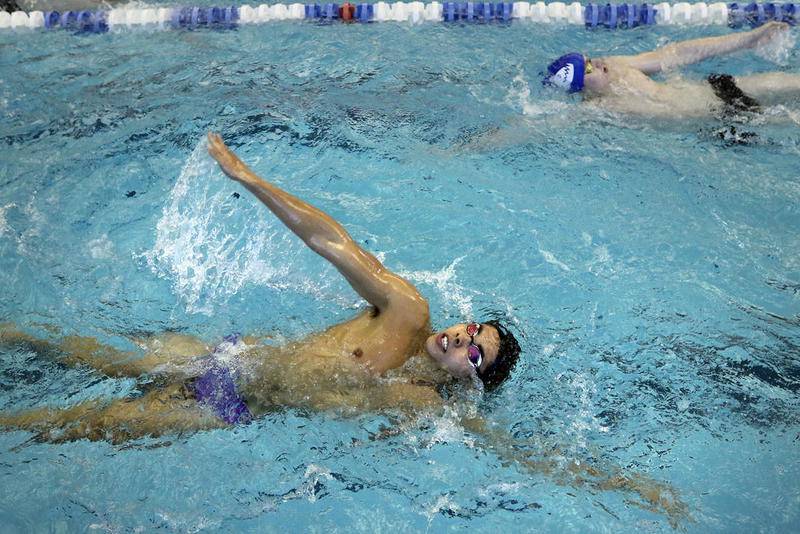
<point x="686" y="52"/>
<point x="368" y="277"/>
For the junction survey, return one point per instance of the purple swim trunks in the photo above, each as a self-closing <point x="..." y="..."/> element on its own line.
<point x="216" y="389"/>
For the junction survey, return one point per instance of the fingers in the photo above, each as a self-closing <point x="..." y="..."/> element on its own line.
<point x="775" y="26"/>
<point x="229" y="162"/>
<point x="214" y="138"/>
<point x="217" y="148"/>
<point x="212" y="143"/>
<point x="216" y="145"/>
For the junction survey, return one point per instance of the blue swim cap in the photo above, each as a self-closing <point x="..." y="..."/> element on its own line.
<point x="567" y="72"/>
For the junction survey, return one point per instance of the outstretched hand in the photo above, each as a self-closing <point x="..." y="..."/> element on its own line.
<point x="770" y="30"/>
<point x="228" y="161"/>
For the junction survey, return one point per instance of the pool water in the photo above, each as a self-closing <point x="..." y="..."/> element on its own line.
<point x="650" y="269"/>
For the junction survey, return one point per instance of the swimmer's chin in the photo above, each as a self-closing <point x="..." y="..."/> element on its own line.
<point x="441" y="359"/>
<point x="433" y="350"/>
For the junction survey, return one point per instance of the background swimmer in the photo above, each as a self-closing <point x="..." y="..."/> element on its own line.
<point x="623" y="84"/>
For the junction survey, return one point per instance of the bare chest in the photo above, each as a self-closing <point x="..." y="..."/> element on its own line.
<point x="371" y="342"/>
<point x="635" y="93"/>
<point x="317" y="370"/>
<point x="374" y="343"/>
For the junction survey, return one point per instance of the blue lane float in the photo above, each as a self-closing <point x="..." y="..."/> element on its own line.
<point x="615" y="16"/>
<point x="591" y="15"/>
<point x="477" y="11"/>
<point x="51" y="19"/>
<point x="200" y="17"/>
<point x="365" y="12"/>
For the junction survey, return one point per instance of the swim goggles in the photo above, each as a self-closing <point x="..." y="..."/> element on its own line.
<point x="474" y="352"/>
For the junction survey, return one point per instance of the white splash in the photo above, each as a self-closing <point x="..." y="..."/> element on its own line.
<point x="781" y="113"/>
<point x="447" y="430"/>
<point x="584" y="420"/>
<point x="228" y="353"/>
<point x="730" y="232"/>
<point x="212" y="245"/>
<point x="520" y="93"/>
<point x="778" y="49"/>
<point x="101" y="248"/>
<point x="32" y="235"/>
<point x="502" y="488"/>
<point x="3" y="222"/>
<point x="519" y="96"/>
<point x="447" y="426"/>
<point x="551" y="259"/>
<point x="313" y="475"/>
<point x="446" y="283"/>
<point x="794" y="116"/>
<point x="443" y="502"/>
<point x="362" y="205"/>
<point x="601" y="262"/>
<point x="191" y="523"/>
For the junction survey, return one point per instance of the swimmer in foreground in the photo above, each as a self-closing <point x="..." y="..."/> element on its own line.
<point x="385" y="360"/>
<point x="623" y="84"/>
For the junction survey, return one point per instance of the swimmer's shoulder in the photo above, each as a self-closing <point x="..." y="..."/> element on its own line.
<point x="411" y="313"/>
<point x="403" y="315"/>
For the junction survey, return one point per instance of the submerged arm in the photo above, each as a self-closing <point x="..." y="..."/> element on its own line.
<point x="695" y="50"/>
<point x="368" y="277"/>
<point x="594" y="474"/>
<point x="591" y="473"/>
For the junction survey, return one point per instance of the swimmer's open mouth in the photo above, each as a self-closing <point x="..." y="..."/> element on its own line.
<point x="443" y="342"/>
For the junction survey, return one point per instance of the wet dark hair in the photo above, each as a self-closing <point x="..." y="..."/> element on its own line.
<point x="9" y="5"/>
<point x="507" y="356"/>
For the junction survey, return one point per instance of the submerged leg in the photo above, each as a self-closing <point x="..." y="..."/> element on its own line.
<point x="770" y="87"/>
<point x="10" y="335"/>
<point x="163" y="411"/>
<point x="166" y="352"/>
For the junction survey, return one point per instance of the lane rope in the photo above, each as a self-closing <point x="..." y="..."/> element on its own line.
<point x="592" y="15"/>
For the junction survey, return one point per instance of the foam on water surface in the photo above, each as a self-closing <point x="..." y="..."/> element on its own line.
<point x="650" y="270"/>
<point x="212" y="243"/>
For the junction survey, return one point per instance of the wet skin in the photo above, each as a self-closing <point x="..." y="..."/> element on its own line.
<point x="361" y="364"/>
<point x="623" y="83"/>
<point x="386" y="359"/>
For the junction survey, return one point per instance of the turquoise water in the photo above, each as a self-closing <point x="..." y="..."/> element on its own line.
<point x="650" y="270"/>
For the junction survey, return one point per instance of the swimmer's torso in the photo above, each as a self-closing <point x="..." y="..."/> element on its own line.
<point x="340" y="366"/>
<point x="630" y="91"/>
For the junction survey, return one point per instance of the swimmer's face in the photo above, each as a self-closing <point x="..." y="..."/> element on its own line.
<point x="596" y="81"/>
<point x="450" y="348"/>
